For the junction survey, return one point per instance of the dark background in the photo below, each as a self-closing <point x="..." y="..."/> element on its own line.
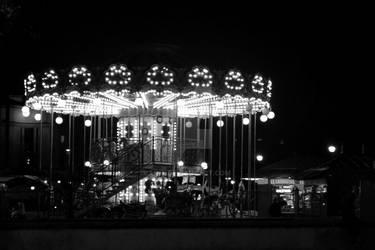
<point x="315" y="55"/>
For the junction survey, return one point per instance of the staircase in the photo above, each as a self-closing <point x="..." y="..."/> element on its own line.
<point x="131" y="164"/>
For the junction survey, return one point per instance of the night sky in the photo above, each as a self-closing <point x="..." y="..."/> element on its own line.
<point x="314" y="56"/>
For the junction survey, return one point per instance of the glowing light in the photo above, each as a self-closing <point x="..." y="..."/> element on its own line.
<point x="32" y="188"/>
<point x="159" y="75"/>
<point x="88" y="122"/>
<point x="106" y="162"/>
<point x="30" y="84"/>
<point x="271" y="115"/>
<point x="180" y="163"/>
<point x="234" y="80"/>
<point x="87" y="164"/>
<point x="257" y="85"/>
<point x="37" y="117"/>
<point x="189" y="124"/>
<point x="61" y="103"/>
<point x="219" y="105"/>
<point x="138" y="101"/>
<point x="37" y="106"/>
<point x="200" y="77"/>
<point x="259" y="157"/>
<point x="50" y="79"/>
<point x="331" y="149"/>
<point x="245" y="121"/>
<point x="58" y="182"/>
<point x="263" y="118"/>
<point x="59" y="120"/>
<point x="79" y="76"/>
<point x="232" y="182"/>
<point x="118" y="75"/>
<point x="220" y="123"/>
<point x="25" y="109"/>
<point x="122" y="180"/>
<point x="204" y="165"/>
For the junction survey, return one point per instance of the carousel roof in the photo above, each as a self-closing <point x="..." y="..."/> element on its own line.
<point x="193" y="92"/>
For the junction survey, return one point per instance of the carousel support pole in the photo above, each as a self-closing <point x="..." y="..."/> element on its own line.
<point x="41" y="140"/>
<point x="51" y="163"/>
<point x="254" y="163"/>
<point x="219" y="177"/>
<point x="249" y="165"/>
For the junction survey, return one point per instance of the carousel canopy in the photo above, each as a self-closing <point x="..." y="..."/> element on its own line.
<point x="117" y="89"/>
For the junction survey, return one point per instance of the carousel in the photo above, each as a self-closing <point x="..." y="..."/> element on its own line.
<point x="140" y="123"/>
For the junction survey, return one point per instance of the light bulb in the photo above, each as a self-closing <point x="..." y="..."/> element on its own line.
<point x="332" y="149"/>
<point x="204" y="165"/>
<point x="180" y="163"/>
<point x="271" y="115"/>
<point x="88" y="164"/>
<point x="37" y="106"/>
<point x="259" y="157"/>
<point x="220" y="123"/>
<point x="106" y="162"/>
<point x="25" y="109"/>
<point x="88" y="123"/>
<point x="219" y="105"/>
<point x="59" y="120"/>
<point x="263" y="118"/>
<point x="37" y="117"/>
<point x="246" y="121"/>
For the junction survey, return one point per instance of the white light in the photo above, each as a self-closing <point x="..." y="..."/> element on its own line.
<point x="61" y="103"/>
<point x="106" y="162"/>
<point x="88" y="164"/>
<point x="37" y="117"/>
<point x="259" y="157"/>
<point x="189" y="124"/>
<point x="32" y="188"/>
<point x="25" y="109"/>
<point x="220" y="123"/>
<point x="88" y="123"/>
<point x="122" y="180"/>
<point x="37" y="106"/>
<point x="25" y="114"/>
<point x="232" y="182"/>
<point x="219" y="105"/>
<point x="180" y="163"/>
<point x="138" y="101"/>
<point x="263" y="118"/>
<point x="246" y="121"/>
<point x="45" y="182"/>
<point x="271" y="115"/>
<point x="332" y="149"/>
<point x="59" y="120"/>
<point x="204" y="165"/>
<point x="58" y="181"/>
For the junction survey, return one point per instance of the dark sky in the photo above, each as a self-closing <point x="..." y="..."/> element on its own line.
<point x="314" y="55"/>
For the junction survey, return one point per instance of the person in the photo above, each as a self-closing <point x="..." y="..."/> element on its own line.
<point x="276" y="205"/>
<point x="19" y="213"/>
